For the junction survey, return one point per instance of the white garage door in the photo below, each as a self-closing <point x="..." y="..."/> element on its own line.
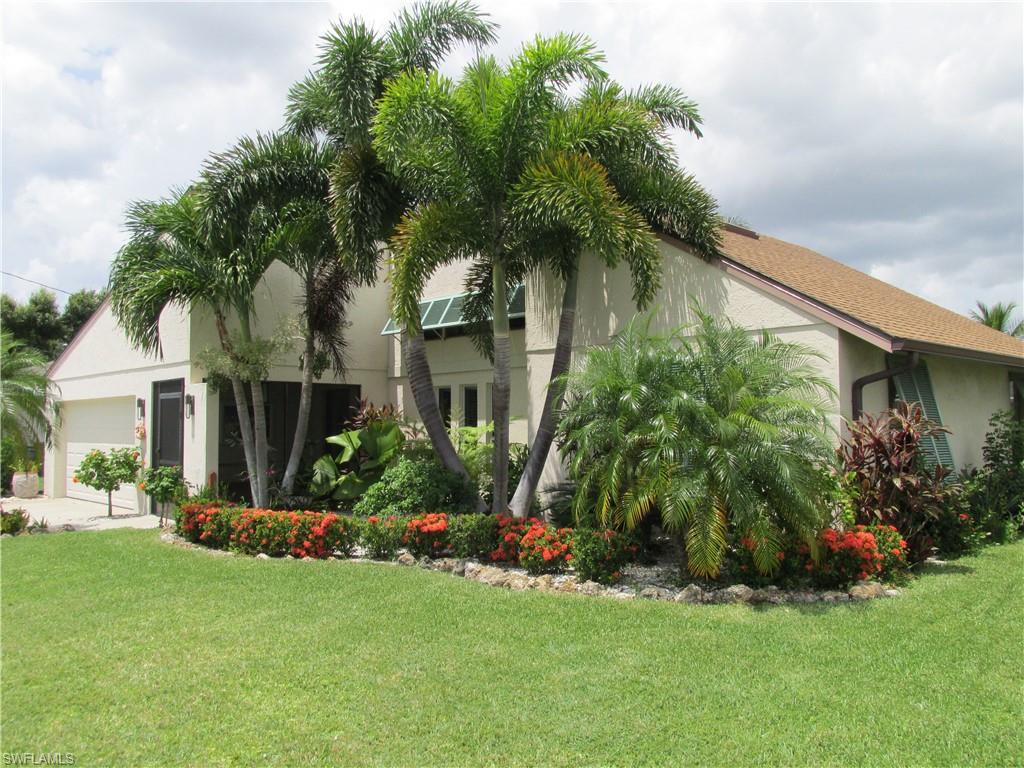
<point x="102" y="424"/>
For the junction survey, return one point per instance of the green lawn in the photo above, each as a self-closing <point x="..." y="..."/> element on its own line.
<point x="126" y="651"/>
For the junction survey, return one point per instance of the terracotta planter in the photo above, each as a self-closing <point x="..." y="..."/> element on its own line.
<point x="25" y="485"/>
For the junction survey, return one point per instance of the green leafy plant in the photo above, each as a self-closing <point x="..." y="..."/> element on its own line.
<point x="365" y="455"/>
<point x="108" y="471"/>
<point x="710" y="427"/>
<point x="381" y="537"/>
<point x="473" y="535"/>
<point x="600" y="555"/>
<point x="162" y="484"/>
<point x="414" y="485"/>
<point x="995" y="493"/>
<point x="14" y="521"/>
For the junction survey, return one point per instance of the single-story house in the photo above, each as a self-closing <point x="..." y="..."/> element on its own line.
<point x="878" y="344"/>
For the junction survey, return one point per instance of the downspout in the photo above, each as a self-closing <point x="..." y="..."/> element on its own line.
<point x="887" y="373"/>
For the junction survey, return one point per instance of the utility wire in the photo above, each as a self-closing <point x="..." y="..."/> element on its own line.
<point x="36" y="282"/>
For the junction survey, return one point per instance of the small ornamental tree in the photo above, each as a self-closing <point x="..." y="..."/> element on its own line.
<point x="162" y="484"/>
<point x="108" y="471"/>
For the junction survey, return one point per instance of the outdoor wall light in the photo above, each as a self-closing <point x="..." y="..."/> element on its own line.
<point x="190" y="406"/>
<point x="140" y="408"/>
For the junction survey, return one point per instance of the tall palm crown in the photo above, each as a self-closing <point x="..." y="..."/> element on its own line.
<point x="716" y="431"/>
<point x="507" y="170"/>
<point x="28" y="398"/>
<point x="1000" y="317"/>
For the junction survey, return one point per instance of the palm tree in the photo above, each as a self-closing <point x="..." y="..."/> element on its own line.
<point x="29" y="398"/>
<point x="511" y="173"/>
<point x="338" y="100"/>
<point x="169" y="259"/>
<point x="714" y="428"/>
<point x="284" y="178"/>
<point x="1000" y="317"/>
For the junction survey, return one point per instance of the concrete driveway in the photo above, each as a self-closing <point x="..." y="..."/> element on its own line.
<point x="83" y="515"/>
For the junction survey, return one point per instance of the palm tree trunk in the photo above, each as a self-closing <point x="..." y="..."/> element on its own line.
<point x="500" y="391"/>
<point x="259" y="424"/>
<point x="538" y="456"/>
<point x="248" y="441"/>
<point x="302" y="424"/>
<point x="417" y="369"/>
<point x="242" y="407"/>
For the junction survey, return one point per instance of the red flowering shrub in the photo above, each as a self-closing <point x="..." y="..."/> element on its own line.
<point x="382" y="536"/>
<point x="891" y="546"/>
<point x="544" y="549"/>
<point x="207" y="524"/>
<point x="510" y="533"/>
<point x="848" y="556"/>
<point x="427" y="534"/>
<point x="600" y="555"/>
<point x="301" y="534"/>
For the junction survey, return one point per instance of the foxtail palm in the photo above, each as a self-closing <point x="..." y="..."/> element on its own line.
<point x="170" y="261"/>
<point x="1000" y="317"/>
<point x="512" y="173"/>
<point x="283" y="180"/>
<point x="713" y="427"/>
<point x="29" y="411"/>
<point x="339" y="99"/>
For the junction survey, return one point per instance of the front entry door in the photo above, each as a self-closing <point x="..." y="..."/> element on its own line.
<point x="168" y="445"/>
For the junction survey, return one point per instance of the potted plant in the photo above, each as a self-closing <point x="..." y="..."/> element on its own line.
<point x="25" y="484"/>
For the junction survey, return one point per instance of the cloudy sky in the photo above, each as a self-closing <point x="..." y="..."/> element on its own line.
<point x="889" y="137"/>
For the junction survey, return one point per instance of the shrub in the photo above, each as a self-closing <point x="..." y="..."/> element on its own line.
<point x="713" y="428"/>
<point x="13" y="522"/>
<point x="473" y="535"/>
<point x="108" y="471"/>
<point x="600" y="555"/>
<point x="510" y="533"/>
<point x="411" y="486"/>
<point x="301" y="534"/>
<point x="995" y="493"/>
<point x="364" y="455"/>
<point x="381" y="536"/>
<point x="848" y="556"/>
<point x="544" y="549"/>
<point x="891" y="483"/>
<point x="955" y="532"/>
<point x="427" y="534"/>
<point x="207" y="524"/>
<point x="891" y="546"/>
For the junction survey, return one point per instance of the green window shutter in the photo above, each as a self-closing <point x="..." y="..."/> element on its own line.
<point x="915" y="386"/>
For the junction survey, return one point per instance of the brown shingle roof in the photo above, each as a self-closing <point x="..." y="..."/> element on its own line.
<point x="896" y="313"/>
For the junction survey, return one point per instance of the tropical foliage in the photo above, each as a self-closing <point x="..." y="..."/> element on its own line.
<point x="364" y="456"/>
<point x="40" y="325"/>
<point x="28" y="398"/>
<point x="999" y="316"/>
<point x="713" y="428"/>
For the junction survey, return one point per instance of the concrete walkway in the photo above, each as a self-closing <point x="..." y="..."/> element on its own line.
<point x="83" y="515"/>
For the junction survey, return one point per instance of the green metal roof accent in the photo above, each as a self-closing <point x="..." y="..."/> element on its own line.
<point x="446" y="312"/>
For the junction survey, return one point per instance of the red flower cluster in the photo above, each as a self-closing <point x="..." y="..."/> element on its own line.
<point x="510" y="532"/>
<point x="544" y="549"/>
<point x="850" y="555"/>
<point x="425" y="534"/>
<point x="209" y="524"/>
<point x="301" y="534"/>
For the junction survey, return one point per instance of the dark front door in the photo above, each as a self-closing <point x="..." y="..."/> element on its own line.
<point x="168" y="446"/>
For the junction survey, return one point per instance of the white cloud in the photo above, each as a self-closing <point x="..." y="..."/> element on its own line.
<point x="888" y="136"/>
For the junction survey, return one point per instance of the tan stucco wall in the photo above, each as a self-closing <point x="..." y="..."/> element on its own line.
<point x="606" y="305"/>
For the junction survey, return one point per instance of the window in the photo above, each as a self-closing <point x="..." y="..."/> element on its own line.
<point x="444" y="403"/>
<point x="469" y="407"/>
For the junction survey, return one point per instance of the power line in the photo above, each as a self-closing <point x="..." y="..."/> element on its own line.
<point x="36" y="282"/>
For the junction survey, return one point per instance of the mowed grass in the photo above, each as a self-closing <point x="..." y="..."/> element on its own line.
<point x="126" y="651"/>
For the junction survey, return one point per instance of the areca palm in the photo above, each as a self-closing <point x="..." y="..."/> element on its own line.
<point x="283" y="180"/>
<point x="28" y="398"/>
<point x="1000" y="317"/>
<point x="510" y="172"/>
<point x="717" y="431"/>
<point x="338" y="100"/>
<point x="170" y="260"/>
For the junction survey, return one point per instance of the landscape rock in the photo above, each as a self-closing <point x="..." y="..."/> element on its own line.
<point x="459" y="567"/>
<point x="262" y="556"/>
<point x="834" y="596"/>
<point x="691" y="593"/>
<point x="893" y="592"/>
<point x="425" y="562"/>
<point x="517" y="581"/>
<point x="543" y="583"/>
<point x="406" y="559"/>
<point x="656" y="593"/>
<point x="802" y="596"/>
<point x="737" y="593"/>
<point x="471" y="570"/>
<point x="590" y="588"/>
<point x="866" y="590"/>
<point x="168" y="537"/>
<point x="770" y="594"/>
<point x="565" y="583"/>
